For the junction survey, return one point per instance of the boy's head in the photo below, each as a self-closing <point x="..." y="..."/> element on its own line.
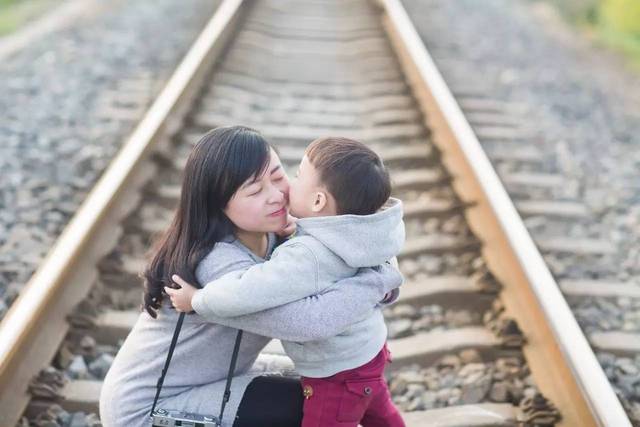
<point x="339" y="176"/>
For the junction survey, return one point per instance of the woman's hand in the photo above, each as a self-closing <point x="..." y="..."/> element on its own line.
<point x="289" y="228"/>
<point x="181" y="298"/>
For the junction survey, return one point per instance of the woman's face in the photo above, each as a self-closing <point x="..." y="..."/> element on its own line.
<point x="261" y="203"/>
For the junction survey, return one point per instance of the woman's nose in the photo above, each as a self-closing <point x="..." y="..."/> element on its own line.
<point x="284" y="189"/>
<point x="277" y="195"/>
<point x="285" y="193"/>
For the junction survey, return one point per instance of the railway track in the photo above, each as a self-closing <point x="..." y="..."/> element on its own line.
<point x="481" y="334"/>
<point x="588" y="261"/>
<point x="601" y="295"/>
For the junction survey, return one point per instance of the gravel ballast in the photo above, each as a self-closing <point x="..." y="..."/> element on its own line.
<point x="69" y="101"/>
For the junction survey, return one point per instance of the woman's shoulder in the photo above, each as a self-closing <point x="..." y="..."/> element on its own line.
<point x="222" y="259"/>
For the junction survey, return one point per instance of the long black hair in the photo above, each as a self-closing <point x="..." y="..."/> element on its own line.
<point x="219" y="164"/>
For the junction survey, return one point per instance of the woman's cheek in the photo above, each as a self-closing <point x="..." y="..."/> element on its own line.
<point x="244" y="213"/>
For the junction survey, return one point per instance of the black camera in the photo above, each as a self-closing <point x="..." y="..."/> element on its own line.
<point x="165" y="418"/>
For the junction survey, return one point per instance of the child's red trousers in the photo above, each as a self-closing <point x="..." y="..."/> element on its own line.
<point x="352" y="397"/>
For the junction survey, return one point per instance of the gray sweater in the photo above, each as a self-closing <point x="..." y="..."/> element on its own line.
<point x="196" y="378"/>
<point x="323" y="251"/>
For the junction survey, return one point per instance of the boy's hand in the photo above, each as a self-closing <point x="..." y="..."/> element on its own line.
<point x="181" y="298"/>
<point x="384" y="276"/>
<point x="289" y="228"/>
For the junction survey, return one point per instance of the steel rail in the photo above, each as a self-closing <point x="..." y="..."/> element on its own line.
<point x="562" y="362"/>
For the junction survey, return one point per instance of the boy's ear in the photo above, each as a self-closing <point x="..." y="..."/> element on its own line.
<point x="319" y="202"/>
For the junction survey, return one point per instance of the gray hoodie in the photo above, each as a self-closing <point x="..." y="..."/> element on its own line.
<point x="196" y="378"/>
<point x="323" y="251"/>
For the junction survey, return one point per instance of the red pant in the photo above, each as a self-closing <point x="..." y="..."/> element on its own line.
<point x="349" y="398"/>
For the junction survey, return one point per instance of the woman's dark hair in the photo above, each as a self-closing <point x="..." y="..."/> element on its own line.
<point x="219" y="164"/>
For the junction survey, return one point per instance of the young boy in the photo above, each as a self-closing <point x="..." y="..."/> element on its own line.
<point x="346" y="221"/>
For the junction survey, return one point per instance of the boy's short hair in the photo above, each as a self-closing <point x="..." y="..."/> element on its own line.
<point x="352" y="172"/>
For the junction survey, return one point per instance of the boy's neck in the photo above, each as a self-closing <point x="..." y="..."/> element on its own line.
<point x="321" y="214"/>
<point x="256" y="242"/>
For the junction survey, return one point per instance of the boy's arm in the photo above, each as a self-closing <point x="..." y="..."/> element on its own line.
<point x="291" y="274"/>
<point x="324" y="315"/>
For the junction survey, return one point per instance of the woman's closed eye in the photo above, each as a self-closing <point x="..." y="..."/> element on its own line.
<point x="254" y="189"/>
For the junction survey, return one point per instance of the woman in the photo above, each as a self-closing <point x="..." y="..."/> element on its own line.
<point x="233" y="200"/>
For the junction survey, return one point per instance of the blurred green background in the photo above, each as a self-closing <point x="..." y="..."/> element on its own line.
<point x="14" y="13"/>
<point x="614" y="22"/>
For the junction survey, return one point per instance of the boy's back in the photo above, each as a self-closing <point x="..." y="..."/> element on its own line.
<point x="336" y="247"/>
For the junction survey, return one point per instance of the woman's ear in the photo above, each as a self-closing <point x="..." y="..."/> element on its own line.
<point x="319" y="202"/>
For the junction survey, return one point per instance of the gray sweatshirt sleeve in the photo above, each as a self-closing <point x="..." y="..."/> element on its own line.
<point x="324" y="315"/>
<point x="290" y="275"/>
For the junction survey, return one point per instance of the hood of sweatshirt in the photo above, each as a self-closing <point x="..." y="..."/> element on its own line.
<point x="360" y="240"/>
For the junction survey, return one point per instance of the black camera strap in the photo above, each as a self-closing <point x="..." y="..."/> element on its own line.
<point x="232" y="367"/>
